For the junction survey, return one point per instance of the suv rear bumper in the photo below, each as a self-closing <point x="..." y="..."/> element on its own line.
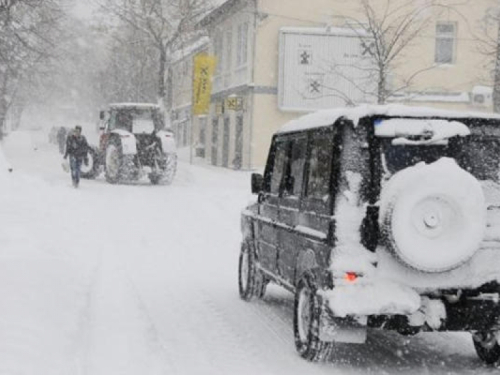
<point x="391" y="306"/>
<point x="375" y="298"/>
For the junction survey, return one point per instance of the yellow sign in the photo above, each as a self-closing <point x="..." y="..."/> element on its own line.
<point x="234" y="103"/>
<point x="204" y="67"/>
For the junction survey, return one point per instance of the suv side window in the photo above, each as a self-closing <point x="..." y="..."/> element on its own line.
<point x="354" y="157"/>
<point x="295" y="170"/>
<point x="280" y="158"/>
<point x="320" y="166"/>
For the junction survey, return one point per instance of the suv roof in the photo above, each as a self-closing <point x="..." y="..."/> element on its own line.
<point x="329" y="116"/>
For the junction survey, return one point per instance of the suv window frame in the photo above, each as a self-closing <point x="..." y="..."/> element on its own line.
<point x="270" y="165"/>
<point x="319" y="205"/>
<point x="292" y="140"/>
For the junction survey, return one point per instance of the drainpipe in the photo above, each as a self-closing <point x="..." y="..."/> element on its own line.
<point x="252" y="96"/>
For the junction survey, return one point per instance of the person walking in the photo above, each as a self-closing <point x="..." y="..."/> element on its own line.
<point x="61" y="138"/>
<point x="77" y="149"/>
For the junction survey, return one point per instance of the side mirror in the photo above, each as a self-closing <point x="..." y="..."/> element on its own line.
<point x="101" y="115"/>
<point x="257" y="182"/>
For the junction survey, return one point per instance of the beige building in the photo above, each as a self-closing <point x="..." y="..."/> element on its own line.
<point x="259" y="83"/>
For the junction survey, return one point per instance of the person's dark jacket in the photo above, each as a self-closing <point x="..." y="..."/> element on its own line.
<point x="76" y="146"/>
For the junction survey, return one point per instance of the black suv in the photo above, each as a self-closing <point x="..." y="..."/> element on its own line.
<point x="380" y="217"/>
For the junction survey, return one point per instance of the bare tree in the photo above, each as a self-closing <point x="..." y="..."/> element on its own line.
<point x="27" y="40"/>
<point x="489" y="46"/>
<point x="162" y="24"/>
<point x="388" y="29"/>
<point x="129" y="73"/>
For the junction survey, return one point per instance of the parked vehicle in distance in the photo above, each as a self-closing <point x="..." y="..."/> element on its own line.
<point x="134" y="142"/>
<point x="384" y="217"/>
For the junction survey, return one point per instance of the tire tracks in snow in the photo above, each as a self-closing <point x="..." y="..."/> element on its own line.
<point x="117" y="334"/>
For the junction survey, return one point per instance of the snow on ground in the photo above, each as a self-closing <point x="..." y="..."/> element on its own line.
<point x="141" y="279"/>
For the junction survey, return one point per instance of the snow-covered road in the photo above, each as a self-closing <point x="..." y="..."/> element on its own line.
<point x="141" y="279"/>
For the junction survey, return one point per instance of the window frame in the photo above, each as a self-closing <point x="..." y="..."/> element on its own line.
<point x="446" y="37"/>
<point x="242" y="44"/>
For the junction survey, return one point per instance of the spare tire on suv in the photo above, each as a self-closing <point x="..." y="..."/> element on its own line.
<point x="433" y="215"/>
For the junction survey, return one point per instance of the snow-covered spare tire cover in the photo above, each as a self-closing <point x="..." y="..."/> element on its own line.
<point x="433" y="216"/>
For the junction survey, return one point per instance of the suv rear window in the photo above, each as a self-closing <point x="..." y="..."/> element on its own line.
<point x="477" y="155"/>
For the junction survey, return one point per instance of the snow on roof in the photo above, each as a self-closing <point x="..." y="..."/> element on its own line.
<point x="487" y="90"/>
<point x="456" y="97"/>
<point x="189" y="49"/>
<point x="438" y="129"/>
<point x="134" y="105"/>
<point x="327" y="117"/>
<point x="337" y="31"/>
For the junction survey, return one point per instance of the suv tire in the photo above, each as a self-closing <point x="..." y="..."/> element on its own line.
<point x="424" y="213"/>
<point x="487" y="348"/>
<point x="250" y="280"/>
<point x="306" y="322"/>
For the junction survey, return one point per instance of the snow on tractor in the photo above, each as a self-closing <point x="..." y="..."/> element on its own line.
<point x="134" y="142"/>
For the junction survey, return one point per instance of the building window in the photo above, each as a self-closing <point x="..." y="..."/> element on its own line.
<point x="445" y="43"/>
<point x="218" y="52"/>
<point x="242" y="52"/>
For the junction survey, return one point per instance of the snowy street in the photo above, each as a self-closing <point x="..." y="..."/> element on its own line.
<point x="141" y="279"/>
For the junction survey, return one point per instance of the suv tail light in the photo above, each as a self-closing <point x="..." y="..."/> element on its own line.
<point x="350" y="276"/>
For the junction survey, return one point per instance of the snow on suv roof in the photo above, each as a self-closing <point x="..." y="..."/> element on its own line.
<point x="327" y="117"/>
<point x="134" y="105"/>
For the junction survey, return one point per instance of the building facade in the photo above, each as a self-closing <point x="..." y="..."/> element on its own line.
<point x="251" y="80"/>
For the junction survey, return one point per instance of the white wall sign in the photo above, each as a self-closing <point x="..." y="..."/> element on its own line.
<point x="324" y="69"/>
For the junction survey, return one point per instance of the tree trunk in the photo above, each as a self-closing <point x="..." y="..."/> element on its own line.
<point x="161" y="74"/>
<point x="496" y="82"/>
<point x="4" y="105"/>
<point x="381" y="89"/>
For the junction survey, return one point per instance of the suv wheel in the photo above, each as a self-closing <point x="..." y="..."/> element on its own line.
<point x="114" y="162"/>
<point x="487" y="348"/>
<point x="306" y="322"/>
<point x="250" y="280"/>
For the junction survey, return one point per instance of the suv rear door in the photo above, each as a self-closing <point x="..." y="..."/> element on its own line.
<point x="289" y="207"/>
<point x="267" y="225"/>
<point x="315" y="219"/>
